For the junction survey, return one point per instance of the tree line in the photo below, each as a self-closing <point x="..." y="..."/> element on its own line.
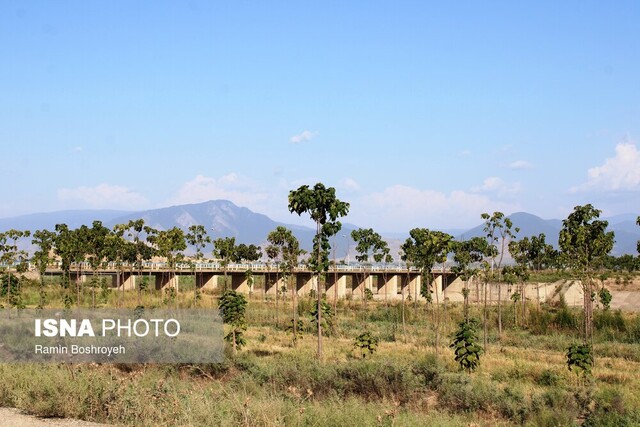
<point x="584" y="248"/>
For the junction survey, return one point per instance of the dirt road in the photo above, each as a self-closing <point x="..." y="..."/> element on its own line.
<point x="10" y="417"/>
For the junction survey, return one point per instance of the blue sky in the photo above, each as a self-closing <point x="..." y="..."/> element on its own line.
<point x="419" y="114"/>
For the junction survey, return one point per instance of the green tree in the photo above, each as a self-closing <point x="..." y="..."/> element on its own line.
<point x="43" y="239"/>
<point x="513" y="274"/>
<point x="170" y="245"/>
<point x="324" y="208"/>
<point x="198" y="238"/>
<point x="247" y="254"/>
<point x="370" y="247"/>
<point x="424" y="249"/>
<point x="233" y="306"/>
<point x="467" y="351"/>
<point x="69" y="245"/>
<point x="96" y="249"/>
<point x="366" y="343"/>
<point x="224" y="249"/>
<point x="585" y="242"/>
<point x="497" y="228"/>
<point x="139" y="250"/>
<point x="466" y="255"/>
<point x="284" y="248"/>
<point x="12" y="258"/>
<point x="533" y="254"/>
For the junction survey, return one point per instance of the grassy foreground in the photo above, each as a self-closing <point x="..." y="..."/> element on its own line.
<point x="522" y="379"/>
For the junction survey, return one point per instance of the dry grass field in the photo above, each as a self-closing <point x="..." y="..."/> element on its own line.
<point x="522" y="378"/>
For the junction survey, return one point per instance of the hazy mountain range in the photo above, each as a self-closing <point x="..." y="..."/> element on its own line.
<point x="222" y="218"/>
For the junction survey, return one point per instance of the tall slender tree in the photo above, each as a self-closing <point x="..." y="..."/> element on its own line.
<point x="43" y="256"/>
<point x="585" y="243"/>
<point x="370" y="247"/>
<point x="467" y="255"/>
<point x="424" y="249"/>
<point x="285" y="249"/>
<point x="224" y="249"/>
<point x="324" y="208"/>
<point x="498" y="229"/>
<point x="198" y="238"/>
<point x="170" y="244"/>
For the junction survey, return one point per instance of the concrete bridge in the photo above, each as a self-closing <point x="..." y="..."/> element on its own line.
<point x="341" y="281"/>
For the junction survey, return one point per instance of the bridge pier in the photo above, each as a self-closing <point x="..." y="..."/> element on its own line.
<point x="208" y="281"/>
<point x="164" y="279"/>
<point x="304" y="283"/>
<point x="387" y="290"/>
<point x="335" y="287"/>
<point x="127" y="281"/>
<point x="365" y="283"/>
<point x="239" y="283"/>
<point x="273" y="286"/>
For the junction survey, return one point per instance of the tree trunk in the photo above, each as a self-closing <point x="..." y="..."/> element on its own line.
<point x="499" y="309"/>
<point x="484" y="317"/>
<point x="319" y="293"/>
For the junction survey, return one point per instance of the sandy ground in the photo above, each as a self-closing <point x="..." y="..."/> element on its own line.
<point x="10" y="417"/>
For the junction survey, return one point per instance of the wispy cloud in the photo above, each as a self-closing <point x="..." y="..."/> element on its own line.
<point x="350" y="184"/>
<point x="234" y="187"/>
<point x="303" y="136"/>
<point x="76" y="149"/>
<point x="618" y="173"/>
<point x="103" y="196"/>
<point x="496" y="185"/>
<point x="520" y="164"/>
<point x="401" y="207"/>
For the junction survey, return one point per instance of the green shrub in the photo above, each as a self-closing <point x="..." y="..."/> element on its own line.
<point x="548" y="377"/>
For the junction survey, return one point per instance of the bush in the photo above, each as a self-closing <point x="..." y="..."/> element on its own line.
<point x="565" y="319"/>
<point x="548" y="378"/>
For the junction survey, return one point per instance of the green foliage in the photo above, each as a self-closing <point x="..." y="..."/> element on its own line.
<point x="233" y="306"/>
<point x="284" y="248"/>
<point x="198" y="238"/>
<point x="366" y="342"/>
<point x="368" y="294"/>
<point x="584" y="240"/>
<point x="548" y="377"/>
<point x="565" y="319"/>
<point x="497" y="228"/>
<point x="370" y="246"/>
<point x="605" y="298"/>
<point x="169" y="296"/>
<point x="424" y="249"/>
<point x="9" y="283"/>
<point x="580" y="359"/>
<point x="324" y="208"/>
<point x="464" y="343"/>
<point x="515" y="297"/>
<point x="327" y="315"/>
<point x="466" y="254"/>
<point x="296" y="332"/>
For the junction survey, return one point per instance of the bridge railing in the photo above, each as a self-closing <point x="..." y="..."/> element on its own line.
<point x="236" y="267"/>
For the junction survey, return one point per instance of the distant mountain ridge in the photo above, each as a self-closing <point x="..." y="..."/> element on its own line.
<point x="223" y="218"/>
<point x="627" y="233"/>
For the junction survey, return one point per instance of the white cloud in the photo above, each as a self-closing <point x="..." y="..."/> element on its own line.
<point x="350" y="184"/>
<point x="233" y="187"/>
<point x="401" y="207"/>
<point x="496" y="185"/>
<point x="304" y="136"/>
<point x="619" y="173"/>
<point x="104" y="196"/>
<point x="520" y="164"/>
<point x="76" y="149"/>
